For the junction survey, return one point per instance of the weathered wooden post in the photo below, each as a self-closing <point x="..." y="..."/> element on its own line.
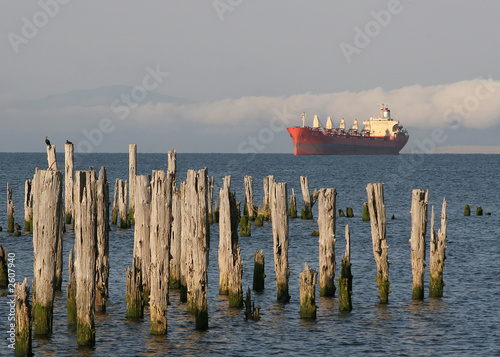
<point x="71" y="290"/>
<point x="102" y="262"/>
<point x="292" y="211"/>
<point x="114" y="213"/>
<point x="28" y="206"/>
<point x="47" y="213"/>
<point x="85" y="216"/>
<point x="142" y="213"/>
<point x="345" y="279"/>
<point x="185" y="243"/>
<point x="132" y="172"/>
<point x="230" y="263"/>
<point x="23" y="319"/>
<point x="417" y="240"/>
<point x="134" y="296"/>
<point x="210" y="199"/>
<point x="250" y="210"/>
<point x="376" y="207"/>
<point x="279" y="219"/>
<point x="68" y="180"/>
<point x="4" y="276"/>
<point x="51" y="157"/>
<point x="258" y="270"/>
<point x="172" y="167"/>
<point x="309" y="199"/>
<point x="198" y="246"/>
<point x="175" y="241"/>
<point x="266" y="211"/>
<point x="366" y="213"/>
<point x="10" y="210"/>
<point x="122" y="203"/>
<point x="326" y="224"/>
<point x="437" y="254"/>
<point x="308" y="279"/>
<point x="161" y="223"/>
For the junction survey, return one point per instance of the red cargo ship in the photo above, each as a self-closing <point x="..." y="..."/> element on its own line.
<point x="381" y="136"/>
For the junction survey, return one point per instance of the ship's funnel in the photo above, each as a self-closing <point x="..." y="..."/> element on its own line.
<point x="329" y="124"/>
<point x="342" y="124"/>
<point x="316" y="121"/>
<point x="355" y="125"/>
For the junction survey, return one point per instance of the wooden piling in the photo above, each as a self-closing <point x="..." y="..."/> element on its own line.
<point x="161" y="223"/>
<point x="376" y="207"/>
<point x="309" y="199"/>
<point x="47" y="213"/>
<point x="437" y="254"/>
<point x="175" y="241"/>
<point x="85" y="216"/>
<point x="10" y="210"/>
<point x="23" y="320"/>
<point x="134" y="296"/>
<point x="417" y="240"/>
<point x="198" y="246"/>
<point x="230" y="263"/>
<point x="250" y="210"/>
<point x="71" y="290"/>
<point x="185" y="237"/>
<point x="122" y="203"/>
<point x="292" y="211"/>
<point x="68" y="180"/>
<point x="132" y="172"/>
<point x="172" y="167"/>
<point x="102" y="262"/>
<point x="308" y="279"/>
<point x="28" y="206"/>
<point x="210" y="199"/>
<point x="114" y="213"/>
<point x="142" y="212"/>
<point x="345" y="279"/>
<point x="326" y="224"/>
<point x="279" y="218"/>
<point x="4" y="276"/>
<point x="51" y="158"/>
<point x="266" y="211"/>
<point x="366" y="213"/>
<point x="258" y="270"/>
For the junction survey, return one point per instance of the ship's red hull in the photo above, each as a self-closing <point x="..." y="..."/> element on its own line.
<point x="309" y="141"/>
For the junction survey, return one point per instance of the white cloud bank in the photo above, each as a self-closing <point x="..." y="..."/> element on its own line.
<point x="466" y="104"/>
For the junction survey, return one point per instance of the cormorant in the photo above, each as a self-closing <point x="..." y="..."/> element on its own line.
<point x="47" y="141"/>
<point x="17" y="227"/>
<point x="69" y="142"/>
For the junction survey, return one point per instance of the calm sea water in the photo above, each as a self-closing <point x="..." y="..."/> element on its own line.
<point x="466" y="321"/>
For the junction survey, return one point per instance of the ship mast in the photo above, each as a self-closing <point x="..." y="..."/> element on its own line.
<point x="303" y="119"/>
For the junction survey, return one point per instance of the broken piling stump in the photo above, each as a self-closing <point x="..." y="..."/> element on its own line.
<point x="266" y="211"/>
<point x="279" y="218"/>
<point x="308" y="279"/>
<point x="68" y="181"/>
<point x="10" y="210"/>
<point x="71" y="290"/>
<point x="47" y="213"/>
<point x="376" y="207"/>
<point x="28" y="206"/>
<point x="102" y="263"/>
<point x="210" y="199"/>
<point x="85" y="216"/>
<point x="175" y="241"/>
<point x="366" y="214"/>
<point x="134" y="296"/>
<point x="122" y="203"/>
<point x="51" y="157"/>
<point x="23" y="319"/>
<point x="161" y="223"/>
<point x="114" y="213"/>
<point x="132" y="172"/>
<point x="258" y="270"/>
<point x="326" y="224"/>
<point x="417" y="240"/>
<point x="345" y="279"/>
<point x="437" y="254"/>
<point x="249" y="210"/>
<point x="4" y="276"/>
<point x="292" y="211"/>
<point x="309" y="199"/>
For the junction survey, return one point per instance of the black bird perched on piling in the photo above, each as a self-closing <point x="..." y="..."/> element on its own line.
<point x="47" y="141"/>
<point x="17" y="227"/>
<point x="69" y="142"/>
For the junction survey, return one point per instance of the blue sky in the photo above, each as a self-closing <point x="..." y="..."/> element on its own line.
<point x="230" y="75"/>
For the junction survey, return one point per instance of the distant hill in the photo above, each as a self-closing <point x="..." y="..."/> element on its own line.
<point x="103" y="96"/>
